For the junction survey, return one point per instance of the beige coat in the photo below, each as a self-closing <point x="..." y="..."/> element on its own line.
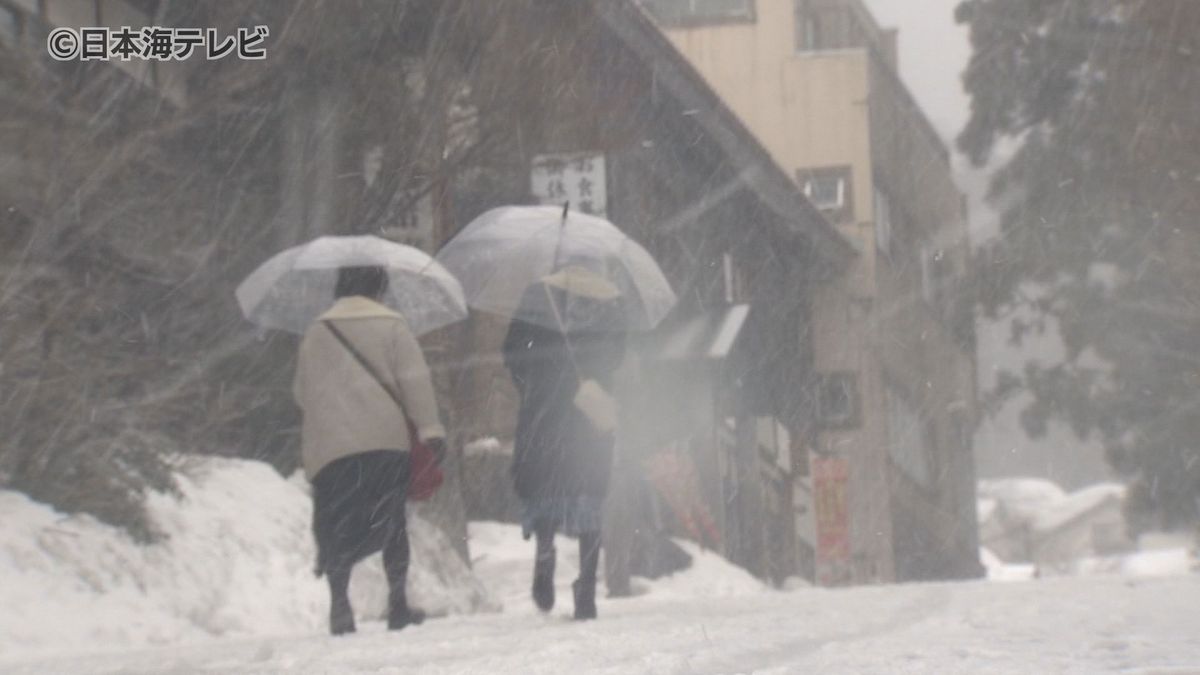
<point x="345" y="410"/>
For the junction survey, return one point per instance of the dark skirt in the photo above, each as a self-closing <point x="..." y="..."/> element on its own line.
<point x="358" y="506"/>
<point x="571" y="516"/>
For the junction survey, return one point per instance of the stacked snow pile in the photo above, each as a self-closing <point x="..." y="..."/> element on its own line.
<point x="238" y="560"/>
<point x="1028" y="520"/>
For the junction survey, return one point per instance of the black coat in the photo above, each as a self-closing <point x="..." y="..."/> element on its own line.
<point x="557" y="451"/>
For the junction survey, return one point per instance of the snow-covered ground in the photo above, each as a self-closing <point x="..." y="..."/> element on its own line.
<point x="238" y="563"/>
<point x="77" y="598"/>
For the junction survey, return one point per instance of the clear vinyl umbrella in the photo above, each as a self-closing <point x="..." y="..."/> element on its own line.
<point x="291" y="289"/>
<point x="503" y="252"/>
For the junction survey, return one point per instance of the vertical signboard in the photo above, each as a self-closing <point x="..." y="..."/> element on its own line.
<point x="414" y="226"/>
<point x="830" y="477"/>
<point x="577" y="178"/>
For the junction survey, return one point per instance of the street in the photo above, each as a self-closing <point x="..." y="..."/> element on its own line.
<point x="1102" y="624"/>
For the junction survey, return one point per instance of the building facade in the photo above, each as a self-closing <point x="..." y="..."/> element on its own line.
<point x="893" y="472"/>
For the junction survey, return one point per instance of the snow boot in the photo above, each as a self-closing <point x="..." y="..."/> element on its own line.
<point x="341" y="614"/>
<point x="398" y="619"/>
<point x="400" y="615"/>
<point x="585" y="599"/>
<point x="341" y="619"/>
<point x="543" y="580"/>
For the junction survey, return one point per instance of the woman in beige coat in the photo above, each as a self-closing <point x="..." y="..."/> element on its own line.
<point x="355" y="440"/>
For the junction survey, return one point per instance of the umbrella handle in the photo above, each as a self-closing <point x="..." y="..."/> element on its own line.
<point x="562" y="327"/>
<point x="561" y="234"/>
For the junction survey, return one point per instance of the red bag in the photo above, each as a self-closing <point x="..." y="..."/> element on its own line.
<point x="424" y="474"/>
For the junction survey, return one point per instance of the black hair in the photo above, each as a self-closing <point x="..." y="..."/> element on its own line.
<point x="370" y="282"/>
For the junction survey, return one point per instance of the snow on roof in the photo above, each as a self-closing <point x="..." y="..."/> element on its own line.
<point x="1076" y="505"/>
<point x="1040" y="504"/>
<point x="1022" y="498"/>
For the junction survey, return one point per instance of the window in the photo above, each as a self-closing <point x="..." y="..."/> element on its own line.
<point x="883" y="223"/>
<point x="908" y="439"/>
<point x="838" y="400"/>
<point x="826" y="192"/>
<point x="829" y="190"/>
<point x="692" y="12"/>
<point x="823" y="25"/>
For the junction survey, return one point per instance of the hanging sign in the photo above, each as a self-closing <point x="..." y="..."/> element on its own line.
<point x="578" y="178"/>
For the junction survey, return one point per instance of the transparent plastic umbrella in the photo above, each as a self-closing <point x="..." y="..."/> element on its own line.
<point x="504" y="251"/>
<point x="291" y="289"/>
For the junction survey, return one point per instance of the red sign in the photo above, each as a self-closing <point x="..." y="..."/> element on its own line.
<point x="830" y="476"/>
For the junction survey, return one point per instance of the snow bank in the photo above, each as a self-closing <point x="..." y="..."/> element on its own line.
<point x="505" y="561"/>
<point x="1160" y="563"/>
<point x="710" y="576"/>
<point x="998" y="570"/>
<point x="238" y="562"/>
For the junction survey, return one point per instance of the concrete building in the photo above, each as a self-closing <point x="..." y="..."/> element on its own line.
<point x="816" y="82"/>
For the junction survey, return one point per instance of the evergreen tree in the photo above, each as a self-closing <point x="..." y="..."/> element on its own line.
<point x="1100" y="222"/>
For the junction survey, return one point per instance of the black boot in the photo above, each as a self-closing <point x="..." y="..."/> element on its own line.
<point x="585" y="599"/>
<point x="543" y="580"/>
<point x="341" y="620"/>
<point x="585" y="586"/>
<point x="400" y="615"/>
<point x="400" y="618"/>
<point x="341" y="614"/>
<point x="395" y="565"/>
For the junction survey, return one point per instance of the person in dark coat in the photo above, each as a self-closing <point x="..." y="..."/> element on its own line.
<point x="562" y="456"/>
<point x="356" y="439"/>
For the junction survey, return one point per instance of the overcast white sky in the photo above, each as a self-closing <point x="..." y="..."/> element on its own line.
<point x="933" y="52"/>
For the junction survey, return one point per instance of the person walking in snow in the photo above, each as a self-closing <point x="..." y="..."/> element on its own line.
<point x="563" y="446"/>
<point x="355" y="364"/>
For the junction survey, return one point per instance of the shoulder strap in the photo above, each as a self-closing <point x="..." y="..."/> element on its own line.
<point x="362" y="361"/>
